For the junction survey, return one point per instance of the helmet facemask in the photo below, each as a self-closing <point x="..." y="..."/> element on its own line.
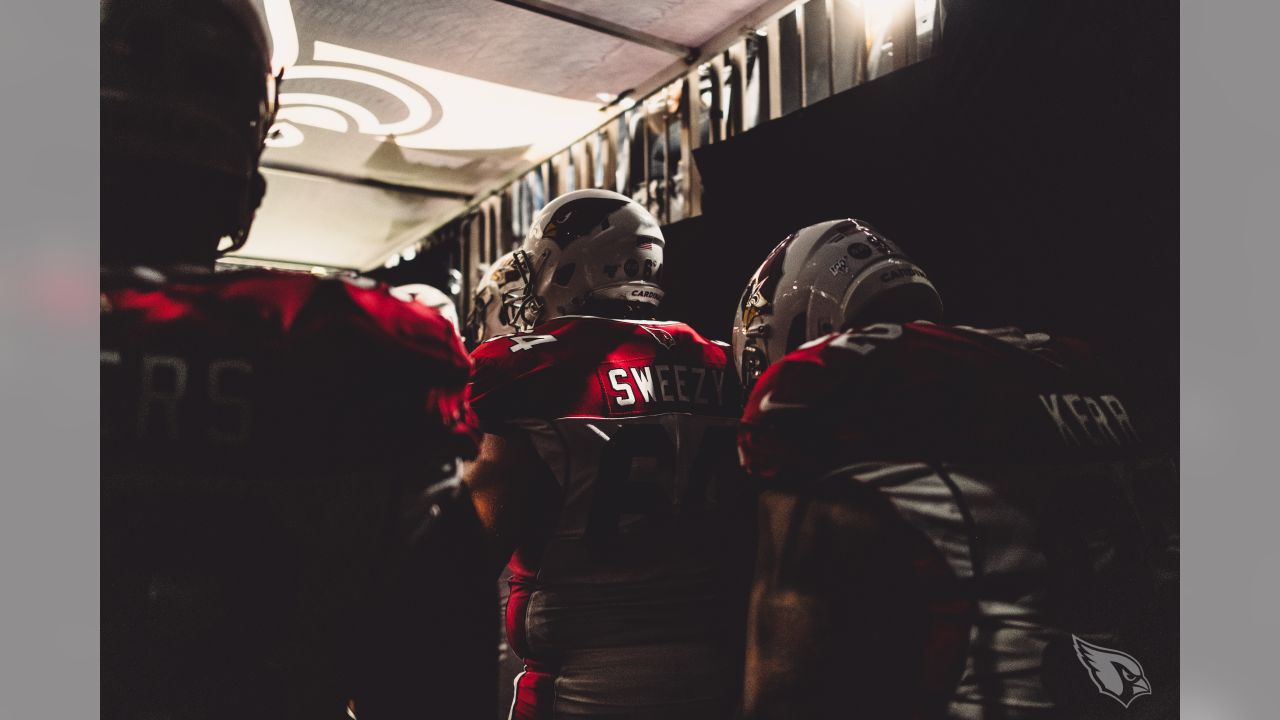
<point x="525" y="309"/>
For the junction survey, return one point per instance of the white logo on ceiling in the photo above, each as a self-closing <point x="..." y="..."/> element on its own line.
<point x="479" y="117"/>
<point x="318" y="110"/>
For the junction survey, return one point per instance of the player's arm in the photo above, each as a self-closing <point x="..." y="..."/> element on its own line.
<point x="512" y="487"/>
<point x="512" y="490"/>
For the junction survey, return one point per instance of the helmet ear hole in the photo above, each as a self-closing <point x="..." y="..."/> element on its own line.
<point x="796" y="333"/>
<point x="563" y="274"/>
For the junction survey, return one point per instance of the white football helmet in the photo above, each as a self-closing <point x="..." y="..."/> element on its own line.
<point x="825" y="278"/>
<point x="430" y="296"/>
<point x="588" y="245"/>
<point x="495" y="298"/>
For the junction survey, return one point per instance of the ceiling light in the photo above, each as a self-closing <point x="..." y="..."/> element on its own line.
<point x="627" y="103"/>
<point x="606" y="97"/>
<point x="392" y="261"/>
<point x="409" y="253"/>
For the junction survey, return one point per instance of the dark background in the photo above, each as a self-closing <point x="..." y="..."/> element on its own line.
<point x="1031" y="168"/>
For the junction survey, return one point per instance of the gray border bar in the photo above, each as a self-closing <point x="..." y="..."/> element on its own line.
<point x="1230" y="180"/>
<point x="48" y="379"/>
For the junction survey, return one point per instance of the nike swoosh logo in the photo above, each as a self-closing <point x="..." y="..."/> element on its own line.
<point x="767" y="404"/>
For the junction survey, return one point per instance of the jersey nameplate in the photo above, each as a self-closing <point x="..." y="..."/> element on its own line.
<point x="632" y="389"/>
<point x="168" y="398"/>
<point x="1086" y="421"/>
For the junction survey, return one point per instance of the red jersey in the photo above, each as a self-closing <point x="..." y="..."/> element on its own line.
<point x="597" y="367"/>
<point x="994" y="490"/>
<point x="269" y="446"/>
<point x="624" y="604"/>
<point x="923" y="390"/>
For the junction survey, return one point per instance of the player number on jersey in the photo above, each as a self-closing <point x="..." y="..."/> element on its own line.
<point x="524" y="342"/>
<point x="865" y="340"/>
<point x="661" y="493"/>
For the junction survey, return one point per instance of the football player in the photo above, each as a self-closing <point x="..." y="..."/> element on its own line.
<point x="275" y="539"/>
<point x="608" y="467"/>
<point x="956" y="522"/>
<point x="501" y="287"/>
<point x="495" y="297"/>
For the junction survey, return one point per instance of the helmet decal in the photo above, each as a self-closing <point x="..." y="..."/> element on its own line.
<point x="764" y="284"/>
<point x="577" y="218"/>
<point x="650" y="268"/>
